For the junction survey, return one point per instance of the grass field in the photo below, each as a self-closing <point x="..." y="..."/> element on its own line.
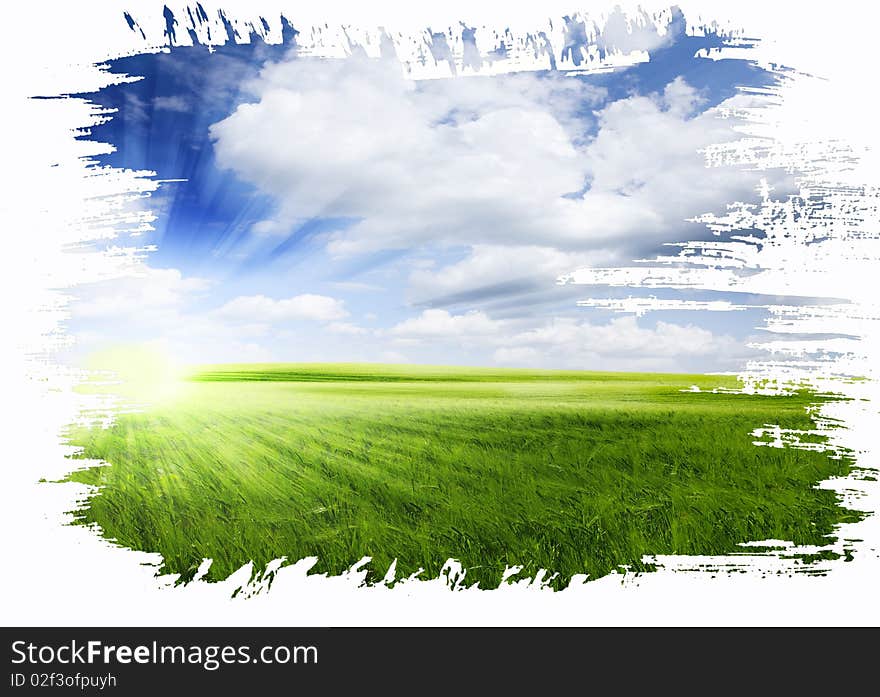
<point x="572" y="472"/>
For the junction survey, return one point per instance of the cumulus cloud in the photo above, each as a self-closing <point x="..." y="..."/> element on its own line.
<point x="648" y="168"/>
<point x="433" y="324"/>
<point x="261" y="309"/>
<point x="572" y="343"/>
<point x="525" y="177"/>
<point x="456" y="161"/>
<point x="621" y="344"/>
<point x="166" y="306"/>
<point x="161" y="306"/>
<point x="501" y="161"/>
<point x="622" y="335"/>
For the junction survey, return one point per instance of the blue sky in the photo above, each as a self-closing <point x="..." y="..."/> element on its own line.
<point x="332" y="209"/>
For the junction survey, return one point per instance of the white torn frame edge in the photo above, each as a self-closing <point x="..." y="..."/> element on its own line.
<point x="100" y="581"/>
<point x="570" y="40"/>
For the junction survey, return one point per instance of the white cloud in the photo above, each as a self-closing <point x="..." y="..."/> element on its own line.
<point x="570" y="343"/>
<point x="147" y="291"/>
<point x="473" y="161"/>
<point x="622" y="335"/>
<point x="434" y="324"/>
<point x="495" y="167"/>
<point x="259" y="308"/>
<point x="648" y="166"/>
<point x="346" y="328"/>
<point x="620" y="344"/>
<point x="157" y="307"/>
<point x="416" y="163"/>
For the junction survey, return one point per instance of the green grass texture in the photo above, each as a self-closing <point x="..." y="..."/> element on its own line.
<point x="570" y="472"/>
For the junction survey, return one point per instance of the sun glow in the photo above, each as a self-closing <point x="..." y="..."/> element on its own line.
<point x="144" y="374"/>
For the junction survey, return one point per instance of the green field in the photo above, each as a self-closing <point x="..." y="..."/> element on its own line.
<point x="572" y="472"/>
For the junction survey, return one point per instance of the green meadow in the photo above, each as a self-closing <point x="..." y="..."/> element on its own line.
<point x="572" y="472"/>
